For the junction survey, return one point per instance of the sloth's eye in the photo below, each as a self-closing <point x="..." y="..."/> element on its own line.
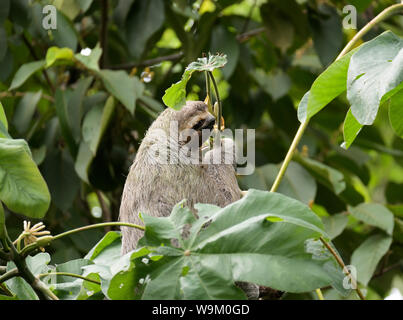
<point x="198" y="125"/>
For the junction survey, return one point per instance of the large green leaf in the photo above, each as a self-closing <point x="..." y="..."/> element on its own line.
<point x="396" y="113"/>
<point x="65" y="126"/>
<point x="331" y="178"/>
<point x="175" y="95"/>
<point x="65" y="34"/>
<point x="351" y="129"/>
<point x="330" y="84"/>
<point x="25" y="111"/>
<point x="125" y="88"/>
<point x="93" y="128"/>
<point x="374" y="71"/>
<point x="366" y="257"/>
<point x="264" y="238"/>
<point x="335" y="224"/>
<point x="22" y="187"/>
<point x="375" y="215"/>
<point x="96" y="122"/>
<point x="25" y="71"/>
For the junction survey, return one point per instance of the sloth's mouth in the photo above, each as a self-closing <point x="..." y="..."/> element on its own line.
<point x="208" y="123"/>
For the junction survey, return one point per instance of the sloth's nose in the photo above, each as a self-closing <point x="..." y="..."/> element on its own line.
<point x="209" y="122"/>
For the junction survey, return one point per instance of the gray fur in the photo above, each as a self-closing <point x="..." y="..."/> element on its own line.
<point x="154" y="188"/>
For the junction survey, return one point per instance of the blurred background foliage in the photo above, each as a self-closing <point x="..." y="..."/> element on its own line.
<point x="84" y="141"/>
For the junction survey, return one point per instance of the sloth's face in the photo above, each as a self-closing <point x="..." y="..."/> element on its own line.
<point x="195" y="123"/>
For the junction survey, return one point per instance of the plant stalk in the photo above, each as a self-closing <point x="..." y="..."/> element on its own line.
<point x="343" y="266"/>
<point x="217" y="95"/>
<point x="98" y="225"/>
<point x="380" y="17"/>
<point x="68" y="274"/>
<point x="9" y="274"/>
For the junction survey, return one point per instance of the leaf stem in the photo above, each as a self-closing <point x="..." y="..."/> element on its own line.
<point x="68" y="274"/>
<point x="345" y="270"/>
<point x="217" y="95"/>
<point x="380" y="17"/>
<point x="97" y="225"/>
<point x="9" y="274"/>
<point x="319" y="294"/>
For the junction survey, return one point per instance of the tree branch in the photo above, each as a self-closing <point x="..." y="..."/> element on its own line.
<point x="149" y="62"/>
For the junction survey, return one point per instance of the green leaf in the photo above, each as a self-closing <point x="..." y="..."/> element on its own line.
<point x="367" y="256"/>
<point x="123" y="282"/>
<point x="175" y="95"/>
<point x="83" y="161"/>
<point x="19" y="287"/>
<point x="373" y="72"/>
<point x="25" y="111"/>
<point x="143" y="20"/>
<point x="335" y="224"/>
<point x="3" y="118"/>
<point x="75" y="106"/>
<point x="330" y="84"/>
<point x="375" y="215"/>
<point x="331" y="178"/>
<point x="208" y="64"/>
<point x="96" y="122"/>
<point x="276" y="83"/>
<point x="108" y="248"/>
<point x="62" y="114"/>
<point x="396" y="113"/>
<point x="90" y="61"/>
<point x="260" y="239"/>
<point x="65" y="287"/>
<point x="123" y="87"/>
<point x="65" y="34"/>
<point x="59" y="166"/>
<point x="351" y="129"/>
<point x="22" y="187"/>
<point x="25" y="71"/>
<point x="54" y="54"/>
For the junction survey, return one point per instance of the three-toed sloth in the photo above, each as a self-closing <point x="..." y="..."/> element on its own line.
<point x="167" y="169"/>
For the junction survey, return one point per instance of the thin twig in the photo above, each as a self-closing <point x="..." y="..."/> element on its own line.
<point x="217" y="95"/>
<point x="68" y="274"/>
<point x="343" y="266"/>
<point x="149" y="62"/>
<point x="9" y="94"/>
<point x="249" y="34"/>
<point x="9" y="274"/>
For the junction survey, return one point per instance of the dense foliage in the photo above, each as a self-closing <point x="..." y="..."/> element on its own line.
<point x="72" y="118"/>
